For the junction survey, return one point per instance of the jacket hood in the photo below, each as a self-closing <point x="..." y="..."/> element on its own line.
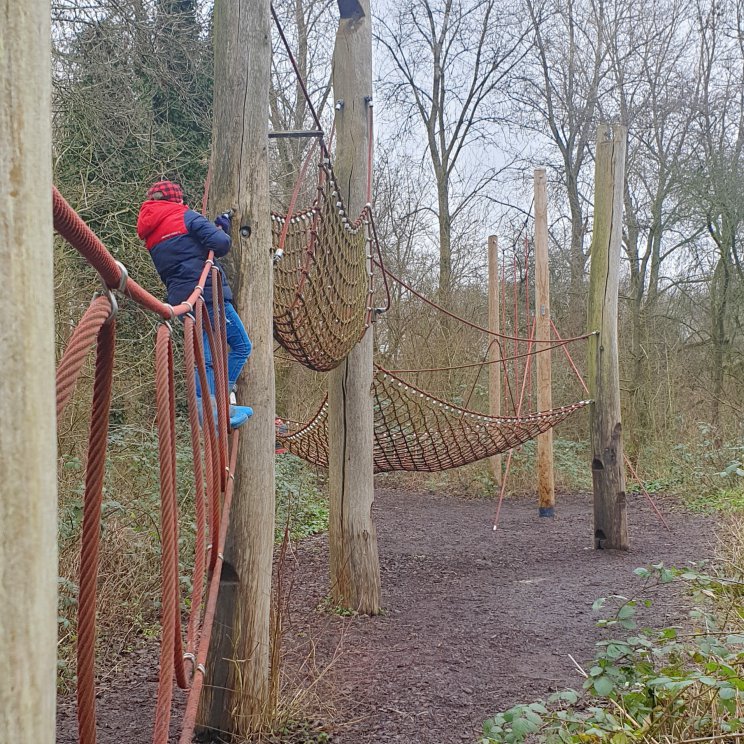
<point x="153" y="213"/>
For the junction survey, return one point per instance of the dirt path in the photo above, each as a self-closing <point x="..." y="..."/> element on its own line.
<point x="474" y="621"/>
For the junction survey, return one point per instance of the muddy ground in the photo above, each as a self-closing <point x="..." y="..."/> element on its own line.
<point x="473" y="622"/>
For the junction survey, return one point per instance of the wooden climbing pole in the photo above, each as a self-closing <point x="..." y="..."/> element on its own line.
<point x="608" y="470"/>
<point x="238" y="670"/>
<point x="545" y="476"/>
<point x="28" y="491"/>
<point x="355" y="569"/>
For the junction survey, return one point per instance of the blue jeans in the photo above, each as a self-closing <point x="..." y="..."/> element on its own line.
<point x="238" y="342"/>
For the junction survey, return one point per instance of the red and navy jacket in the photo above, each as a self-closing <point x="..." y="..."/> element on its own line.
<point x="178" y="239"/>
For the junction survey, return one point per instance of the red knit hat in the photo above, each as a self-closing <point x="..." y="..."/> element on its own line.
<point x="170" y="191"/>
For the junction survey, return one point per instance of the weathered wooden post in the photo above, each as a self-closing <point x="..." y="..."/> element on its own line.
<point x="608" y="472"/>
<point x="494" y="349"/>
<point x="545" y="476"/>
<point x="237" y="691"/>
<point x="28" y="461"/>
<point x="354" y="563"/>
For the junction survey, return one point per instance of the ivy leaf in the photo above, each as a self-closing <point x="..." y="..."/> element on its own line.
<point x="603" y="686"/>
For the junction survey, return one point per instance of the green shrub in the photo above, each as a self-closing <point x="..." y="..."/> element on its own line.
<point x="671" y="685"/>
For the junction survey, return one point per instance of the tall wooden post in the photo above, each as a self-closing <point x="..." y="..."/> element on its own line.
<point x="545" y="476"/>
<point x="28" y="462"/>
<point x="495" y="349"/>
<point x="354" y="564"/>
<point x="238" y="672"/>
<point x="608" y="472"/>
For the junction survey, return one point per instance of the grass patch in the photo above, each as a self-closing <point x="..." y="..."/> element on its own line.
<point x="300" y="501"/>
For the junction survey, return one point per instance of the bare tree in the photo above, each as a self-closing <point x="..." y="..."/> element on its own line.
<point x="445" y="65"/>
<point x="557" y="93"/>
<point x="653" y="92"/>
<point x="715" y="181"/>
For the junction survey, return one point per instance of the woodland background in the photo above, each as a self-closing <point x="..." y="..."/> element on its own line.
<point x="471" y="95"/>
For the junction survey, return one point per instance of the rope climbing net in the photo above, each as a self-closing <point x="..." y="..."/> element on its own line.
<point x="414" y="430"/>
<point x="323" y="286"/>
<point x="213" y="457"/>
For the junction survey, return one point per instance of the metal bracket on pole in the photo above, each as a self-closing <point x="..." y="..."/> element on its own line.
<point x="296" y="133"/>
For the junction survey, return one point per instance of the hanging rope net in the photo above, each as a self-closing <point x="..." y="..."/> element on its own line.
<point x="414" y="430"/>
<point x="323" y="285"/>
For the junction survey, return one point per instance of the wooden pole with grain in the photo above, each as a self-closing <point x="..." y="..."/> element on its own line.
<point x="237" y="693"/>
<point x="545" y="475"/>
<point x="608" y="472"/>
<point x="28" y="486"/>
<point x="495" y="346"/>
<point x="354" y="563"/>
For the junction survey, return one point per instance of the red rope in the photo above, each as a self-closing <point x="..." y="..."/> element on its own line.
<point x="209" y="480"/>
<point x="72" y="228"/>
<point x="464" y="320"/>
<point x="200" y="552"/>
<point x="83" y="337"/>
<point x="169" y="609"/>
<point x="192" y="704"/>
<point x="485" y="362"/>
<point x="502" y="491"/>
<point x="98" y="437"/>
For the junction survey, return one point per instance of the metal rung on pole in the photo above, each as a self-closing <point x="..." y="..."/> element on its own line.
<point x="297" y="133"/>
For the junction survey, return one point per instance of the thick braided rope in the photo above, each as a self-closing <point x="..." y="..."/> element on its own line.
<point x="169" y="610"/>
<point x="417" y="431"/>
<point x="192" y="703"/>
<point x="212" y="478"/>
<point x="220" y="373"/>
<point x="178" y="659"/>
<point x="212" y="429"/>
<point x="83" y="337"/>
<point x="97" y="440"/>
<point x="200" y="505"/>
<point x="71" y="227"/>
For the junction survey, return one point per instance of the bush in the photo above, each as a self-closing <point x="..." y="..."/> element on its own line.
<point x="670" y="685"/>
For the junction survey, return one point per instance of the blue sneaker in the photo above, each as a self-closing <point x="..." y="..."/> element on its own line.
<point x="239" y="415"/>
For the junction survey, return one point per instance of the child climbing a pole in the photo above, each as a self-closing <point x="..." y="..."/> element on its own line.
<point x="178" y="240"/>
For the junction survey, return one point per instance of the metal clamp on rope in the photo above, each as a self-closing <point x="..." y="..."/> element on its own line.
<point x="111" y="297"/>
<point x="188" y="656"/>
<point x="172" y="313"/>
<point x="278" y="256"/>
<point x="124" y="278"/>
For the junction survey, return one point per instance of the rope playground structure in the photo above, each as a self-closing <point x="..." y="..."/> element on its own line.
<point x="416" y="431"/>
<point x="324" y="289"/>
<point x="214" y="455"/>
<point x="413" y="430"/>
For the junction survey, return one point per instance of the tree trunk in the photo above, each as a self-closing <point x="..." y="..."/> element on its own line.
<point x="495" y="352"/>
<point x="578" y="257"/>
<point x="28" y="493"/>
<point x="354" y="564"/>
<point x="719" y="307"/>
<point x="608" y="469"/>
<point x="238" y="671"/>
<point x="445" y="240"/>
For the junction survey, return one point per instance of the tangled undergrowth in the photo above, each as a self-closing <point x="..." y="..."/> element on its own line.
<point x="128" y="610"/>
